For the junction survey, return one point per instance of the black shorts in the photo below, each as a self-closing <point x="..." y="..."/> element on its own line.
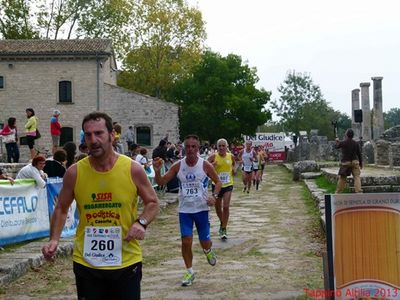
<point x="30" y="140"/>
<point x="94" y="284"/>
<point x="223" y="190"/>
<point x="248" y="172"/>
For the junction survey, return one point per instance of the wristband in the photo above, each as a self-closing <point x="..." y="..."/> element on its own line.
<point x="143" y="222"/>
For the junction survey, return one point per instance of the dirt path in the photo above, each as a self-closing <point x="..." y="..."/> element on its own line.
<point x="272" y="252"/>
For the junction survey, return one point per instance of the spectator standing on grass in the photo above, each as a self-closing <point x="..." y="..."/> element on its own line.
<point x="55" y="130"/>
<point x="31" y="126"/>
<point x="351" y="162"/>
<point x="129" y="136"/>
<point x="10" y="139"/>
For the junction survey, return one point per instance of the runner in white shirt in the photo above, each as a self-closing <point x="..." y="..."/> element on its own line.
<point x="192" y="172"/>
<point x="247" y="156"/>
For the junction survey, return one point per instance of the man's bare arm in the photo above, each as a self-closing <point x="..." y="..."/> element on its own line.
<point x="146" y="192"/>
<point x="171" y="173"/>
<point x="59" y="217"/>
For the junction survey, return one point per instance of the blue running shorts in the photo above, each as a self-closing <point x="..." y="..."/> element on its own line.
<point x="201" y="221"/>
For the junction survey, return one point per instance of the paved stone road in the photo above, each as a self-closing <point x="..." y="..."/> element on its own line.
<point x="272" y="252"/>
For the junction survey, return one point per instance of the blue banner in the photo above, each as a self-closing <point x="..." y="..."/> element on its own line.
<point x="23" y="211"/>
<point x="54" y="185"/>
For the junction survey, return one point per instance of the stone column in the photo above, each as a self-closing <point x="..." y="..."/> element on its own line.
<point x="355" y="104"/>
<point x="377" y="119"/>
<point x="366" y="124"/>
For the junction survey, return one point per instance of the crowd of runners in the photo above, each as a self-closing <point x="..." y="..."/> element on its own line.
<point x="107" y="255"/>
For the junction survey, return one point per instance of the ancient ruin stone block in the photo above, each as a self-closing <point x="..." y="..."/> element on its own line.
<point x="382" y="152"/>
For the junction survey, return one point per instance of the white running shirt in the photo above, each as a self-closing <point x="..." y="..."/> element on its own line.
<point x="247" y="160"/>
<point x="193" y="187"/>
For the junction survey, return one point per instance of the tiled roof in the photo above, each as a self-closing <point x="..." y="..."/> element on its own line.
<point x="55" y="47"/>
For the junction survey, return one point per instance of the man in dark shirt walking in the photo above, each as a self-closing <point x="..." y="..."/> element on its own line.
<point x="351" y="162"/>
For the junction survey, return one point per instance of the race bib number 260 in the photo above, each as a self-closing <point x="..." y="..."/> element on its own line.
<point x="103" y="246"/>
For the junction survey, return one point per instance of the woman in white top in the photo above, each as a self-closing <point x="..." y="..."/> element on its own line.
<point x="34" y="171"/>
<point x="141" y="157"/>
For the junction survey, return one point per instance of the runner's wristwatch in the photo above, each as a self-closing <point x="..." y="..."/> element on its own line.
<point x="143" y="222"/>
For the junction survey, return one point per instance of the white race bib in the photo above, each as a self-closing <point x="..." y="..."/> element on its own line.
<point x="103" y="246"/>
<point x="247" y="168"/>
<point x="191" y="190"/>
<point x="224" y="177"/>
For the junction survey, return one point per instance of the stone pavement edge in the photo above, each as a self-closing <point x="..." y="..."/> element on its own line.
<point x="15" y="262"/>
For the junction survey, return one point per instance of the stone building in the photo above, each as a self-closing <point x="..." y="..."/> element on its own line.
<point x="76" y="77"/>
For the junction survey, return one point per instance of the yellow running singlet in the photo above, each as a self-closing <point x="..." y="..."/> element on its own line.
<point x="107" y="205"/>
<point x="223" y="167"/>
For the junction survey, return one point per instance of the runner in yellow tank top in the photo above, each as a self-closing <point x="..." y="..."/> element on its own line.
<point x="107" y="256"/>
<point x="105" y="206"/>
<point x="224" y="164"/>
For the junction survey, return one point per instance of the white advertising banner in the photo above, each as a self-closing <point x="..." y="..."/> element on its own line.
<point x="24" y="211"/>
<point x="274" y="142"/>
<point x="363" y="245"/>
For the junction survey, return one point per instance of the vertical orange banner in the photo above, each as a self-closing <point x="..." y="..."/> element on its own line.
<point x="363" y="232"/>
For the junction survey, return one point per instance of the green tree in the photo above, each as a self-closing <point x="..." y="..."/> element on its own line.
<point x="343" y="122"/>
<point x="66" y="19"/>
<point x="220" y="99"/>
<point x="302" y="106"/>
<point x="60" y="18"/>
<point x="270" y="126"/>
<point x="15" y="22"/>
<point x="391" y="118"/>
<point x="111" y="19"/>
<point x="167" y="42"/>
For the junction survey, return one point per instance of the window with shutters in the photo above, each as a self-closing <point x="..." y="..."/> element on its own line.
<point x="143" y="135"/>
<point x="65" y="91"/>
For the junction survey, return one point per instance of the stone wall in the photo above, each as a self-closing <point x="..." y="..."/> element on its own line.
<point x="34" y="83"/>
<point x="382" y="152"/>
<point x="317" y="148"/>
<point x="131" y="108"/>
<point x="387" y="148"/>
<point x="394" y="154"/>
<point x="392" y="134"/>
<point x="368" y="153"/>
